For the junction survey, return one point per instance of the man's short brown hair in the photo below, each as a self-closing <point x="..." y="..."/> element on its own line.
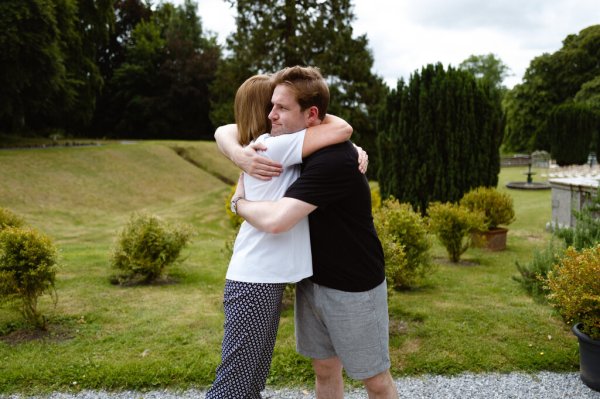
<point x="308" y="85"/>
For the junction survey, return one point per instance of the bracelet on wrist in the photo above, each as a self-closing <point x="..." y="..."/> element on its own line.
<point x="234" y="202"/>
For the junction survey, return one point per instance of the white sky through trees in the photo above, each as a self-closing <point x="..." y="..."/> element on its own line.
<point x="405" y="35"/>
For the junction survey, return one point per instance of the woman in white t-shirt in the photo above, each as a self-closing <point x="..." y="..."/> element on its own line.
<point x="262" y="263"/>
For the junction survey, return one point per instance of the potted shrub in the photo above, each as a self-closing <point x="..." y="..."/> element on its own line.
<point x="574" y="286"/>
<point x="498" y="210"/>
<point x="452" y="224"/>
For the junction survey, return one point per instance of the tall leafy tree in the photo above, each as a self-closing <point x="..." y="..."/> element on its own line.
<point x="127" y="14"/>
<point x="48" y="58"/>
<point x="589" y="97"/>
<point x="550" y="81"/>
<point x="486" y="67"/>
<point x="273" y="34"/>
<point x="571" y="130"/>
<point x="84" y="36"/>
<point x="32" y="64"/>
<point x="590" y="93"/>
<point x="161" y="88"/>
<point x="189" y="69"/>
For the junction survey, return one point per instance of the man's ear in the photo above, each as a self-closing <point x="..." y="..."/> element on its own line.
<point x="313" y="116"/>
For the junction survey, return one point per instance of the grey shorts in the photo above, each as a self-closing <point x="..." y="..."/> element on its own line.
<point x="350" y="325"/>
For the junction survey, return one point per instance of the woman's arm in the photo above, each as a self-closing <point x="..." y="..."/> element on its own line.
<point x="332" y="130"/>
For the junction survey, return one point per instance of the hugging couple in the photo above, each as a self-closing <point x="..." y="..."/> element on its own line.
<point x="307" y="209"/>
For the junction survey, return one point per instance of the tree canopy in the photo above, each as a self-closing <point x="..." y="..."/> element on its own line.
<point x="105" y="67"/>
<point x="157" y="83"/>
<point x="273" y="34"/>
<point x="550" y="81"/>
<point x="128" y="68"/>
<point x="487" y="67"/>
<point x="48" y="69"/>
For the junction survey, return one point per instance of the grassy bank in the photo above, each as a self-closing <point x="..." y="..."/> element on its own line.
<point x="468" y="317"/>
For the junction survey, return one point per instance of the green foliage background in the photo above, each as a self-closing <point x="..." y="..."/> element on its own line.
<point x="274" y="34"/>
<point x="551" y="80"/>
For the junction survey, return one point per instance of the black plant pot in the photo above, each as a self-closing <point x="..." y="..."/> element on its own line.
<point x="589" y="359"/>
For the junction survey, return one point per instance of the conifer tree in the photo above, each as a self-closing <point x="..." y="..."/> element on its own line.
<point x="440" y="137"/>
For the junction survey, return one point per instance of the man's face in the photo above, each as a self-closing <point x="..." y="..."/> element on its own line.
<point x="286" y="115"/>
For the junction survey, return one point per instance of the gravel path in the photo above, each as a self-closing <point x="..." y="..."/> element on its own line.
<point x="543" y="385"/>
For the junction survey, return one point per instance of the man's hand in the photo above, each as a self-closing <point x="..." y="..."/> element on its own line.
<point x="256" y="165"/>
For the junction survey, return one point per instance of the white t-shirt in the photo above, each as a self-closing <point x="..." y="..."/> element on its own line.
<point x="260" y="257"/>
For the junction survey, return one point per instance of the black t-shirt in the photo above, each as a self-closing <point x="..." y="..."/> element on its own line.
<point x="346" y="251"/>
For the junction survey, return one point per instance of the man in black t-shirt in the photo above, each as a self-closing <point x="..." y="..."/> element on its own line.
<point x="341" y="311"/>
<point x="347" y="254"/>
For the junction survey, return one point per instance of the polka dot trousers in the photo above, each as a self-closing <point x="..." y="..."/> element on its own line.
<point x="252" y="313"/>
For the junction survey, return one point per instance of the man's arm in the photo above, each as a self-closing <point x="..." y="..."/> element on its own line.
<point x="246" y="158"/>
<point x="274" y="216"/>
<point x="270" y="216"/>
<point x="333" y="130"/>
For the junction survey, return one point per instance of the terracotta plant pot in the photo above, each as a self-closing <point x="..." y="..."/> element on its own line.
<point x="493" y="239"/>
<point x="589" y="359"/>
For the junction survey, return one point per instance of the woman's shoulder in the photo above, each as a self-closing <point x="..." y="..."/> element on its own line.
<point x="263" y="137"/>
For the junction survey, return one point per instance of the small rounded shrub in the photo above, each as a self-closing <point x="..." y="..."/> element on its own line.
<point x="452" y="224"/>
<point x="574" y="286"/>
<point x="497" y="207"/>
<point x="406" y="245"/>
<point x="146" y="247"/>
<point x="397" y="272"/>
<point x="9" y="219"/>
<point x="27" y="270"/>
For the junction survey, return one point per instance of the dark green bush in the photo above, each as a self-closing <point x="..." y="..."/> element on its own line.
<point x="403" y="234"/>
<point x="27" y="270"/>
<point x="146" y="247"/>
<point x="9" y="219"/>
<point x="452" y="224"/>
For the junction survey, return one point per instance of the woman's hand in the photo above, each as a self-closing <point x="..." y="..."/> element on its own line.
<point x="363" y="159"/>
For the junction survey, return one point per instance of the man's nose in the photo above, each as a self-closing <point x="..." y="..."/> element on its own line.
<point x="272" y="114"/>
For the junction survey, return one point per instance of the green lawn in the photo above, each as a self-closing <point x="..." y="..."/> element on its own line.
<point x="470" y="317"/>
